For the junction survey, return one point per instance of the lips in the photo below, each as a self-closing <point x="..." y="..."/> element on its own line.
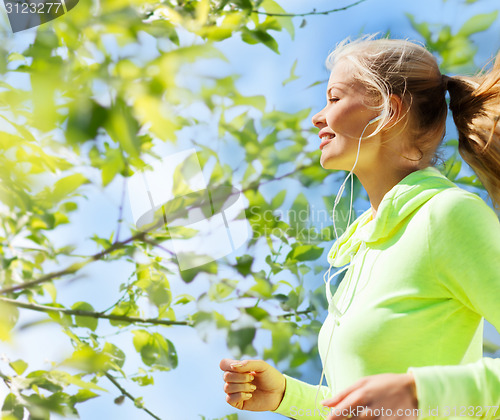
<point x="325" y="139"/>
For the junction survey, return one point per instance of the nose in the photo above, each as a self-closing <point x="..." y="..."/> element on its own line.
<point x="318" y="120"/>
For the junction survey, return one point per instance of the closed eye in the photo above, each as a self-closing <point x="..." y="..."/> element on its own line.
<point x="333" y="99"/>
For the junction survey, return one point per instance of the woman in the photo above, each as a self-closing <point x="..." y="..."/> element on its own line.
<point x="403" y="336"/>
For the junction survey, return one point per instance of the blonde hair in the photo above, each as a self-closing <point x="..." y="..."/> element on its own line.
<point x="408" y="70"/>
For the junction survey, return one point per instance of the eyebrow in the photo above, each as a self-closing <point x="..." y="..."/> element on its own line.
<point x="328" y="92"/>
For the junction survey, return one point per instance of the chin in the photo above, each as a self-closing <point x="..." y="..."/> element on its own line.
<point x="327" y="162"/>
<point x="332" y="163"/>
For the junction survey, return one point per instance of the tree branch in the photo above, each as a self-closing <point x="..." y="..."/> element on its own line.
<point x="90" y="314"/>
<point x="128" y="395"/>
<point x="141" y="236"/>
<point x="73" y="268"/>
<point x="314" y="12"/>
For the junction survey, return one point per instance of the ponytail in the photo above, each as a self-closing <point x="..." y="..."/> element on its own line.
<point x="475" y="104"/>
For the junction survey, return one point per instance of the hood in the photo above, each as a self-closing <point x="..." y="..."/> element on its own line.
<point x="400" y="202"/>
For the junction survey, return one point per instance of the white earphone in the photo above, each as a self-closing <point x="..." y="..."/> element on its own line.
<point x="341" y="189"/>
<point x="331" y="306"/>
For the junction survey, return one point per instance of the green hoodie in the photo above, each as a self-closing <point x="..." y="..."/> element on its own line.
<point x="424" y="275"/>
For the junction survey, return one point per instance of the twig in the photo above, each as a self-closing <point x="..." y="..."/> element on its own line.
<point x="73" y="267"/>
<point x="5" y="378"/>
<point x="120" y="211"/>
<point x="90" y="314"/>
<point x="305" y="312"/>
<point x="253" y="186"/>
<point x="314" y="12"/>
<point x="121" y="297"/>
<point x="125" y="393"/>
<point x="148" y="241"/>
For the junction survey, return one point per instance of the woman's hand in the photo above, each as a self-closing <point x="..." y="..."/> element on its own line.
<point x="252" y="385"/>
<point x="385" y="396"/>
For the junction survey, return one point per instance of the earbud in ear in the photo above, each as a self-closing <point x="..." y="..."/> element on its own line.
<point x="376" y="119"/>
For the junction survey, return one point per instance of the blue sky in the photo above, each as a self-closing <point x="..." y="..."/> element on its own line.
<point x="195" y="387"/>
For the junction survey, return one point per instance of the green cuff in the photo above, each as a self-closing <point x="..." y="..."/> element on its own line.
<point x="458" y="391"/>
<point x="299" y="400"/>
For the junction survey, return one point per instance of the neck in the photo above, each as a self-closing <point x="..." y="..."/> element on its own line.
<point x="384" y="174"/>
<point x="378" y="186"/>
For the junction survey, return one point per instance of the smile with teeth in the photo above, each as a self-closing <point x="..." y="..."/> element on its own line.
<point x="325" y="139"/>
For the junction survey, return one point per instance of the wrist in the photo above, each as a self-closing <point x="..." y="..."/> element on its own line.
<point x="413" y="387"/>
<point x="282" y="393"/>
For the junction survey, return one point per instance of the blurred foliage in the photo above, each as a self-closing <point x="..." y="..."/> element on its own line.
<point x="457" y="51"/>
<point x="92" y="110"/>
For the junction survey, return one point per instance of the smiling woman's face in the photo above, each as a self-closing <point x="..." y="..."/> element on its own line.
<point x="342" y="120"/>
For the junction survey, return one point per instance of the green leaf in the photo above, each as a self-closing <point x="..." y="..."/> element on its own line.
<point x="189" y="274"/>
<point x="478" y="23"/>
<point x="12" y="407"/>
<point x="85" y="321"/>
<point x="155" y="284"/>
<point x="156" y="351"/>
<point x="257" y="101"/>
<point x="278" y="199"/>
<point x="183" y="299"/>
<point x="244" y="264"/>
<point x="66" y="378"/>
<point x="270" y="6"/>
<point x="258" y="313"/>
<point x="19" y="366"/>
<point x="281" y="336"/>
<point x="454" y="170"/>
<point x="221" y="290"/>
<point x="305" y="253"/>
<point x="262" y="287"/>
<point x="124" y="308"/>
<point x="292" y="76"/>
<point x="421" y="28"/>
<point x="243" y="4"/>
<point x="111" y="166"/>
<point x="16" y="56"/>
<point x="144" y="380"/>
<point x="241" y="339"/>
<point x="9" y="315"/>
<point x="83" y="395"/>
<point x="116" y="356"/>
<point x="471" y="181"/>
<point x="122" y="127"/>
<point x="85" y="118"/>
<point x="259" y="36"/>
<point x="66" y="186"/>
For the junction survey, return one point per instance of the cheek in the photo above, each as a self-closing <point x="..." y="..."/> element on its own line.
<point x="347" y="121"/>
<point x="341" y="119"/>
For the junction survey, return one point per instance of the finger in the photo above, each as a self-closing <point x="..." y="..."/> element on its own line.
<point x="350" y="407"/>
<point x="330" y="402"/>
<point x="225" y="363"/>
<point x="234" y="399"/>
<point x="248" y="366"/>
<point x="234" y="388"/>
<point x="239" y="378"/>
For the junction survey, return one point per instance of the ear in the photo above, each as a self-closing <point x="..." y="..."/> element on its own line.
<point x="396" y="110"/>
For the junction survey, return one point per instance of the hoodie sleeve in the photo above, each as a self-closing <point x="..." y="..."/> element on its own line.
<point x="298" y="400"/>
<point x="464" y="245"/>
